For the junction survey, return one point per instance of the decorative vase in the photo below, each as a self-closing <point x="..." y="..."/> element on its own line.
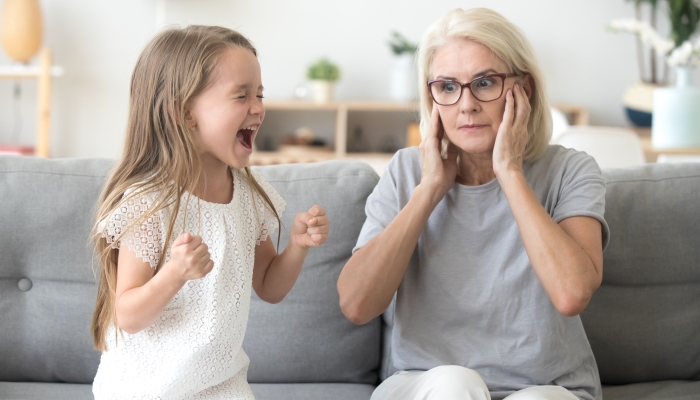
<point x="677" y="114"/>
<point x="403" y="78"/>
<point x="21" y="29"/>
<point x="639" y="103"/>
<point x="322" y="91"/>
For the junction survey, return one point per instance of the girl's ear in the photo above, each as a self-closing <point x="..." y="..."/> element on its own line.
<point x="189" y="119"/>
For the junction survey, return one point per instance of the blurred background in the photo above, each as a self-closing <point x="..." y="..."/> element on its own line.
<point x="97" y="44"/>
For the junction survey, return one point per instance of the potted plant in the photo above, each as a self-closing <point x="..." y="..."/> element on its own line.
<point x="684" y="16"/>
<point x="403" y="76"/>
<point x="323" y="74"/>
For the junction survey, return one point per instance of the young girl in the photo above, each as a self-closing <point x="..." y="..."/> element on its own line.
<point x="183" y="225"/>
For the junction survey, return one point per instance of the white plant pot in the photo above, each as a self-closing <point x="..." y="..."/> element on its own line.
<point x="676" y="121"/>
<point x="322" y="91"/>
<point x="403" y="79"/>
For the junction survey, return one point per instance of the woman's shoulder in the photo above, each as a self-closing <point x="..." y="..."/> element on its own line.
<point x="405" y="163"/>
<point x="561" y="160"/>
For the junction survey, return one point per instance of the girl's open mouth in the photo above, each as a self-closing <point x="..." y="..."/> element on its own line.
<point x="245" y="137"/>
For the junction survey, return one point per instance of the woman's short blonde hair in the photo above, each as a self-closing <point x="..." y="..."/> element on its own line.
<point x="509" y="44"/>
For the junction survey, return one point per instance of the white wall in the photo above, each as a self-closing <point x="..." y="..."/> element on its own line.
<point x="97" y="42"/>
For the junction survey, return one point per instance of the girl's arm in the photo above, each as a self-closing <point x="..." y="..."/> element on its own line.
<point x="372" y="275"/>
<point x="567" y="257"/>
<point x="141" y="296"/>
<point x="274" y="274"/>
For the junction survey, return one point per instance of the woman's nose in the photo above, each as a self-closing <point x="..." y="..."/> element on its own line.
<point x="468" y="103"/>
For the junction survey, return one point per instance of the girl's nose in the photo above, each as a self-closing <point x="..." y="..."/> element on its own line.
<point x="257" y="106"/>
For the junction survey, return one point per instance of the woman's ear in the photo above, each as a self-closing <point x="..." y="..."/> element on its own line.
<point x="528" y="84"/>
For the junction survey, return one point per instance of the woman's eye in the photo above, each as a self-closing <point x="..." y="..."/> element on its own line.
<point x="484" y="83"/>
<point x="449" y="87"/>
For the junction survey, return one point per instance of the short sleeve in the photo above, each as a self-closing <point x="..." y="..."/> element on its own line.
<point x="582" y="192"/>
<point x="143" y="237"/>
<point x="268" y="221"/>
<point x="382" y="205"/>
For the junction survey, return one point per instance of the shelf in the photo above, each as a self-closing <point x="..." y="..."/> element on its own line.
<point x="27" y="72"/>
<point x="652" y="153"/>
<point x="357" y="105"/>
<point x="43" y="74"/>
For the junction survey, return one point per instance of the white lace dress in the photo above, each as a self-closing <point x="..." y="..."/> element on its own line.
<point x="193" y="350"/>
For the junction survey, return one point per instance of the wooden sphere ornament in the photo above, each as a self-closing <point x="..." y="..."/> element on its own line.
<point x="21" y="29"/>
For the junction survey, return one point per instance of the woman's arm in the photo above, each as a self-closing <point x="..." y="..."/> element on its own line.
<point x="141" y="296"/>
<point x="372" y="275"/>
<point x="567" y="257"/>
<point x="274" y="274"/>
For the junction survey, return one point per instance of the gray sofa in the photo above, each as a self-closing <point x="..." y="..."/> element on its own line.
<point x="643" y="323"/>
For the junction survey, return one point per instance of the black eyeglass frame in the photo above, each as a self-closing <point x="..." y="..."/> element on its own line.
<point x="468" y="85"/>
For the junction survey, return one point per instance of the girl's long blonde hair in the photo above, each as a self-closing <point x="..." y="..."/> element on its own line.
<point x="159" y="150"/>
<point x="508" y="43"/>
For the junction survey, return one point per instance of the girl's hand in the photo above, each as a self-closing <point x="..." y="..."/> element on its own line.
<point x="310" y="229"/>
<point x="512" y="135"/>
<point x="437" y="174"/>
<point x="189" y="257"/>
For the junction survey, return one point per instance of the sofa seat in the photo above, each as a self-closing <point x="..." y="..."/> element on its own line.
<point x="262" y="391"/>
<point x="305" y="391"/>
<point x="667" y="390"/>
<point x="41" y="390"/>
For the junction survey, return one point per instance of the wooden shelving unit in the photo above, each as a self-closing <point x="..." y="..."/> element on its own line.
<point x="341" y="109"/>
<point x="43" y="72"/>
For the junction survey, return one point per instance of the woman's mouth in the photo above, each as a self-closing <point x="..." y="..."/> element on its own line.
<point x="245" y="137"/>
<point x="473" y="127"/>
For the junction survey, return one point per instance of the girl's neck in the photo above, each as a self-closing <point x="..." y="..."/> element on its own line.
<point x="475" y="169"/>
<point x="215" y="183"/>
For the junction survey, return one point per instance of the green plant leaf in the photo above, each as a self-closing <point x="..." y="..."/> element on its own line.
<point x="400" y="44"/>
<point x="323" y="70"/>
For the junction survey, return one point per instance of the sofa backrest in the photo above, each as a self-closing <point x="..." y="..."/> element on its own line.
<point x="306" y="338"/>
<point x="643" y="323"/>
<point x="47" y="287"/>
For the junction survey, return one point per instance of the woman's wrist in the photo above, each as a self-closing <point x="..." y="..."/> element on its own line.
<point x="428" y="196"/>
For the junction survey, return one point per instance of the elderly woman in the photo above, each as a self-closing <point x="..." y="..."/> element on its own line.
<point x="484" y="244"/>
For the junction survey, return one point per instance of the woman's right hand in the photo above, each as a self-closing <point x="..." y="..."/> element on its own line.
<point x="190" y="258"/>
<point x="437" y="174"/>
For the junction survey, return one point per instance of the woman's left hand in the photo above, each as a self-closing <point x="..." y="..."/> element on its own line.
<point x="310" y="229"/>
<point x="512" y="136"/>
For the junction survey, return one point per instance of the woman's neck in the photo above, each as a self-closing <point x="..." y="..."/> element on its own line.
<point x="215" y="183"/>
<point x="475" y="169"/>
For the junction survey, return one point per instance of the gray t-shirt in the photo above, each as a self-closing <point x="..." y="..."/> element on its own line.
<point x="470" y="296"/>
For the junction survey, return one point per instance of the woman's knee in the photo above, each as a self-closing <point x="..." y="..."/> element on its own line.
<point x="454" y="382"/>
<point x="542" y="393"/>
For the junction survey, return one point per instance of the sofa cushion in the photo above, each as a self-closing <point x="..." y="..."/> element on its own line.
<point x="307" y="391"/>
<point x="47" y="287"/>
<point x="43" y="391"/>
<point x="306" y="338"/>
<point x="664" y="390"/>
<point x="643" y="323"/>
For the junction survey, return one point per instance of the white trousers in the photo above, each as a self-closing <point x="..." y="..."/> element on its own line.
<point x="450" y="382"/>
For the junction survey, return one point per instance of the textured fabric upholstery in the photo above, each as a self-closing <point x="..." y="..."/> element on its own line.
<point x="312" y="391"/>
<point x="46" y="212"/>
<point x="306" y="338"/>
<point x="644" y="321"/>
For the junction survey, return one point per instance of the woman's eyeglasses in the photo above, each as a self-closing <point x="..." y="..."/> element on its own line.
<point x="447" y="92"/>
